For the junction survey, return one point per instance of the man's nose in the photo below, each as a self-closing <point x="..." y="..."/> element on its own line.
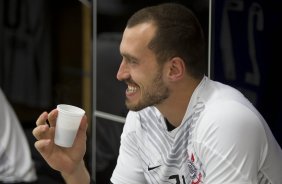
<point x="123" y="72"/>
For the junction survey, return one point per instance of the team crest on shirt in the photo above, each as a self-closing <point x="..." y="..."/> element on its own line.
<point x="195" y="174"/>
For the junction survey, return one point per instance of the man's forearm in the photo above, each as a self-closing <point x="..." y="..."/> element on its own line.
<point x="81" y="176"/>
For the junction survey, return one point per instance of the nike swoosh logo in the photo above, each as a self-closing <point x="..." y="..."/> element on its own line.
<point x="151" y="168"/>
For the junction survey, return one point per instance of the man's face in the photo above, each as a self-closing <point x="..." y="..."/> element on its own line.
<point x="140" y="70"/>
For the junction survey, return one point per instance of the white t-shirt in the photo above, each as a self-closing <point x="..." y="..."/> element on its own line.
<point x="16" y="164"/>
<point x="222" y="139"/>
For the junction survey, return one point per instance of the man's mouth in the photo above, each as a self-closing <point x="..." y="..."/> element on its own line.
<point x="131" y="89"/>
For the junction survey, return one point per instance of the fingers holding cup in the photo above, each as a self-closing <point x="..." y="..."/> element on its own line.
<point x="52" y="117"/>
<point x="42" y="119"/>
<point x="42" y="129"/>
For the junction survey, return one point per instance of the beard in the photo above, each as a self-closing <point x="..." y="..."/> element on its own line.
<point x="154" y="94"/>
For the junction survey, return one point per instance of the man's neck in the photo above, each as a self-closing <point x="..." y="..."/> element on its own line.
<point x="174" y="108"/>
<point x="169" y="126"/>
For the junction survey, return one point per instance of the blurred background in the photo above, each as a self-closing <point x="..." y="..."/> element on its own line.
<point x="68" y="52"/>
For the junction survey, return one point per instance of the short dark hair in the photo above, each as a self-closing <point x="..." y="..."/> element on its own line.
<point x="178" y="34"/>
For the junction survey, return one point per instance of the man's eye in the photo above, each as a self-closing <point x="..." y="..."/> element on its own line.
<point x="132" y="61"/>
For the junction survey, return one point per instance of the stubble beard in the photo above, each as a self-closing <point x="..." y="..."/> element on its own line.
<point x="153" y="95"/>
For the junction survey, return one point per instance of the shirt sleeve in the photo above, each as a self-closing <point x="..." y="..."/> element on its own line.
<point x="16" y="163"/>
<point x="230" y="142"/>
<point x="128" y="168"/>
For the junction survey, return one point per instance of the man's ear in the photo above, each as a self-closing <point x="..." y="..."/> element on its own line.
<point x="176" y="69"/>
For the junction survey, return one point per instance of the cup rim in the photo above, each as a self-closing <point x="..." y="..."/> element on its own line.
<point x="71" y="110"/>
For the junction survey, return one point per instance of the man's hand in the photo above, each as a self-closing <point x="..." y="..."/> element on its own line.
<point x="69" y="161"/>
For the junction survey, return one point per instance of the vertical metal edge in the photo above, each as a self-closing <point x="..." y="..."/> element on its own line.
<point x="209" y="39"/>
<point x="94" y="93"/>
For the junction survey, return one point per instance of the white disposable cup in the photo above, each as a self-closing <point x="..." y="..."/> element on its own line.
<point x="68" y="121"/>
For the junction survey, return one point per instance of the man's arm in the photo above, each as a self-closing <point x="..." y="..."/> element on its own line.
<point x="80" y="175"/>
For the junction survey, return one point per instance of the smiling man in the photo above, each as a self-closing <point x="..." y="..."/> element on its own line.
<point x="139" y="69"/>
<point x="182" y="127"/>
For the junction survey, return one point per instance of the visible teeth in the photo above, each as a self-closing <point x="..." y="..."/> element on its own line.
<point x="131" y="89"/>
